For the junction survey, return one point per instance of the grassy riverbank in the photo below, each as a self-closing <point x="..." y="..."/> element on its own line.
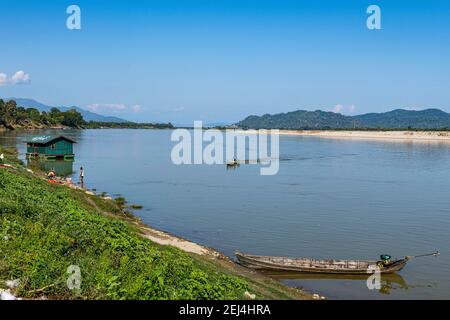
<point x="45" y="228"/>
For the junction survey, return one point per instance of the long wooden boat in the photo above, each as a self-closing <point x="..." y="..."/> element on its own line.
<point x="307" y="265"/>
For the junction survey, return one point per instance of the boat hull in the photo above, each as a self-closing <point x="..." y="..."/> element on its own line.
<point x="305" y="265"/>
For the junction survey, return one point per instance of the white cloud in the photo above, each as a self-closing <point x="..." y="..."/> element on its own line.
<point x="413" y="108"/>
<point x="179" y="109"/>
<point x="20" y="77"/>
<point x="95" y="107"/>
<point x="113" y="107"/>
<point x="340" y="108"/>
<point x="3" y="79"/>
<point x="136" y="108"/>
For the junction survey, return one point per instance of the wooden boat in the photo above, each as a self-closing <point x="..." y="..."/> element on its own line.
<point x="233" y="164"/>
<point x="307" y="265"/>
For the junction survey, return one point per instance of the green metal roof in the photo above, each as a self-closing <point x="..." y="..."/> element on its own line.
<point x="47" y="139"/>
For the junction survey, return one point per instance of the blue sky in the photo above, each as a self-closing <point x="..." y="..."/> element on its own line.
<point x="221" y="60"/>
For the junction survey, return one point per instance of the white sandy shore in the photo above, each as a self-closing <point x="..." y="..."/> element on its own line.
<point x="443" y="136"/>
<point x="164" y="238"/>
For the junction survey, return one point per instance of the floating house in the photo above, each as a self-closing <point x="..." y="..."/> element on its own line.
<point x="50" y="147"/>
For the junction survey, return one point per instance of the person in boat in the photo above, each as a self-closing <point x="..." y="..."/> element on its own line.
<point x="233" y="163"/>
<point x="385" y="260"/>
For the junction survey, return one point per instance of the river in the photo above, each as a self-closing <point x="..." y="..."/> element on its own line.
<point x="332" y="198"/>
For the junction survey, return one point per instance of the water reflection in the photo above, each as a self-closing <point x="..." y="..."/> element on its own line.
<point x="389" y="282"/>
<point x="62" y="168"/>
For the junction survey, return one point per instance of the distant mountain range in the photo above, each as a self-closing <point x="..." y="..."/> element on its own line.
<point x="396" y="119"/>
<point x="87" y="115"/>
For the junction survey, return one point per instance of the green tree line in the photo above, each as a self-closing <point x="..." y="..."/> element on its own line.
<point x="126" y="125"/>
<point x="12" y="116"/>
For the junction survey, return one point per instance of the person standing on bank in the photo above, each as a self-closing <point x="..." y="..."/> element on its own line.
<point x="82" y="177"/>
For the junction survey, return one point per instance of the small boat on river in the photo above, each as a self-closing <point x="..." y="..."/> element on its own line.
<point x="324" y="266"/>
<point x="233" y="164"/>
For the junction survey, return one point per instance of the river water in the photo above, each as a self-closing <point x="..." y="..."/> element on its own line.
<point x="332" y="198"/>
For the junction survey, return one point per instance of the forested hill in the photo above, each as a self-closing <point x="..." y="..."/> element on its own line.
<point x="87" y="115"/>
<point x="13" y="116"/>
<point x="429" y="119"/>
<point x="404" y="119"/>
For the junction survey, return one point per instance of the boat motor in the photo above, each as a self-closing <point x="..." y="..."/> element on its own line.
<point x="385" y="259"/>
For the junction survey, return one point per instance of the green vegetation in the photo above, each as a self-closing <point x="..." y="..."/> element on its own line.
<point x="13" y="116"/>
<point x="11" y="156"/>
<point x="298" y="119"/>
<point x="45" y="228"/>
<point x="430" y="119"/>
<point x="120" y="202"/>
<point x="126" y="125"/>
